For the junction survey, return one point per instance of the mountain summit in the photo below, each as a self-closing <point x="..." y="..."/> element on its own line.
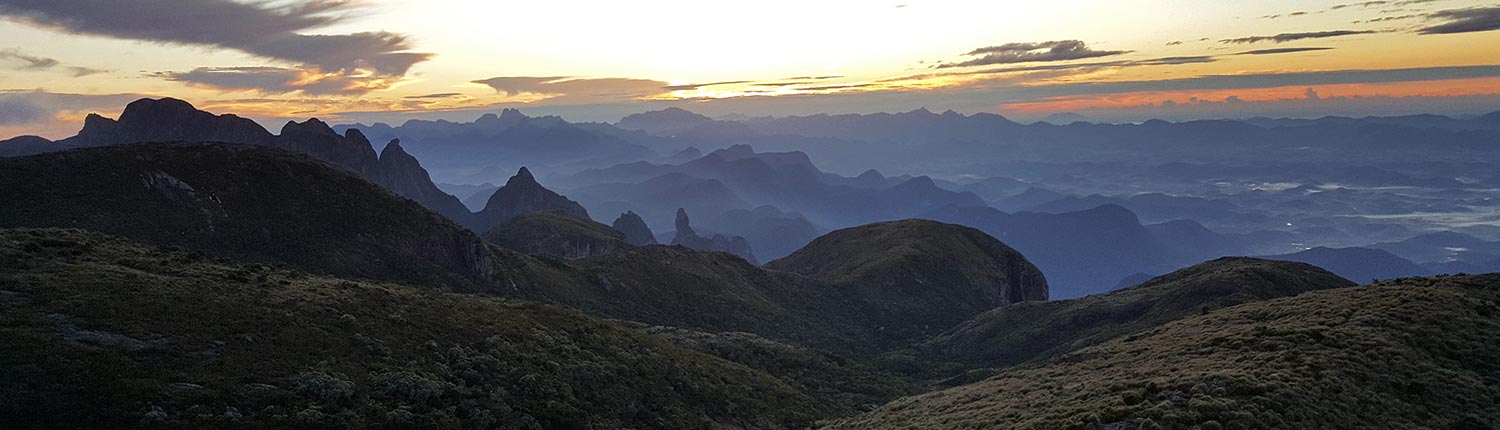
<point x="522" y="194"/>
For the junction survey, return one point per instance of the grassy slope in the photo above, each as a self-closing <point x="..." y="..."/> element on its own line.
<point x="919" y="277"/>
<point x="715" y="291"/>
<point x="557" y="234"/>
<point x="1410" y="353"/>
<point x="100" y="332"/>
<point x="1040" y="330"/>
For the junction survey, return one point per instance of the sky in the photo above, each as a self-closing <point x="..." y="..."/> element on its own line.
<point x="387" y="60"/>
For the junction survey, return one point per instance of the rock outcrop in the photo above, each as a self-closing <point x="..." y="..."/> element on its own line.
<point x="686" y="236"/>
<point x="635" y="229"/>
<point x="403" y="174"/>
<point x="521" y="195"/>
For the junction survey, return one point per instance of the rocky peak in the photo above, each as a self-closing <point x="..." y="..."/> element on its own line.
<point x="635" y="229"/>
<point x="312" y="126"/>
<point x="686" y="236"/>
<point x="522" y="176"/>
<point x="683" y="224"/>
<point x="522" y="194"/>
<point x="167" y="119"/>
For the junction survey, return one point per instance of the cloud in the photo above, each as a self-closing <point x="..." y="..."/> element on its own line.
<point x="28" y="62"/>
<point x="1292" y="37"/>
<point x="689" y="87"/>
<point x="571" y="89"/>
<point x="435" y="96"/>
<point x="273" y="30"/>
<point x="18" y="111"/>
<point x="1061" y="50"/>
<point x="1281" y="51"/>
<point x="280" y="80"/>
<point x="1162" y="61"/>
<point x="79" y="71"/>
<point x="50" y="114"/>
<point x="1464" y="21"/>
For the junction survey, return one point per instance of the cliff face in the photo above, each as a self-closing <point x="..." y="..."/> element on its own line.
<point x="401" y="173"/>
<point x="522" y="195"/>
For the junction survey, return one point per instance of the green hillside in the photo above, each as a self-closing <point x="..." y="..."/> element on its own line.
<point x="1409" y="353"/>
<point x="98" y="332"/>
<point x="1038" y="330"/>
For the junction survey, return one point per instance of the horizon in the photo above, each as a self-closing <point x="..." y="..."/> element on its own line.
<point x="385" y="61"/>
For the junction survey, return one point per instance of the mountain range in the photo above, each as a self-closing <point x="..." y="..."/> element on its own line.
<point x="180" y="269"/>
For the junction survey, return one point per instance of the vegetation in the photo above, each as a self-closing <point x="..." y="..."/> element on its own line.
<point x="1040" y="330"/>
<point x="557" y="234"/>
<point x="853" y="385"/>
<point x="717" y="292"/>
<point x="919" y="277"/>
<point x="252" y="204"/>
<point x="1409" y="353"/>
<point x="98" y="332"/>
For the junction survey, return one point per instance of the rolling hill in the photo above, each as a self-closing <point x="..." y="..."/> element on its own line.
<point x="1034" y="331"/>
<point x="99" y="332"/>
<point x="1414" y="352"/>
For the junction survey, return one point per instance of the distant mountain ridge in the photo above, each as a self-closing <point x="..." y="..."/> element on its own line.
<point x="172" y="120"/>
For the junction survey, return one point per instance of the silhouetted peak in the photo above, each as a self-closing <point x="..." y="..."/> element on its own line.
<point x="1111" y="210"/>
<point x="311" y="126"/>
<point x="635" y="229"/>
<point x="393" y="149"/>
<point x="684" y="225"/>
<point x="871" y="174"/>
<point x="357" y="136"/>
<point x="918" y="182"/>
<point x="145" y="109"/>
<point x="95" y="123"/>
<point x="738" y="151"/>
<point x="522" y="176"/>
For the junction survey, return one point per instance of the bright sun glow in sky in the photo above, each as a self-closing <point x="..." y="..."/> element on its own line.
<point x="599" y="60"/>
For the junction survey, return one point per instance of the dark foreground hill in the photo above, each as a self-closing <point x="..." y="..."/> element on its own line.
<point x="919" y="277"/>
<point x="1033" y="331"/>
<point x="251" y="203"/>
<point x="98" y="332"/>
<point x="1408" y="353"/>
